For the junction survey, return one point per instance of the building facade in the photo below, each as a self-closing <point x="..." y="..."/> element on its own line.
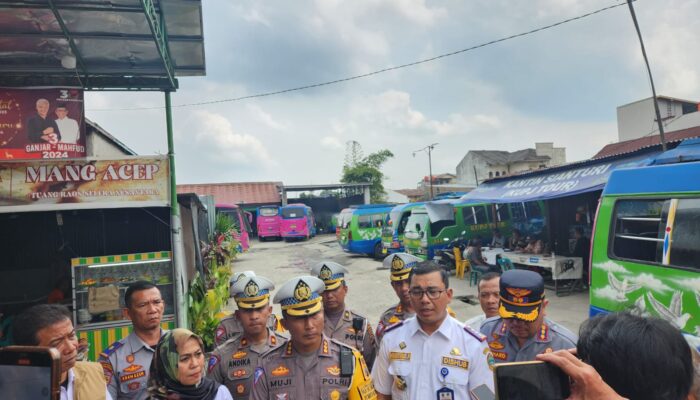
<point x="638" y="119"/>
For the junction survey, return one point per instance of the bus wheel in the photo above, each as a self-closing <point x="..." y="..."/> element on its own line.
<point x="378" y="250"/>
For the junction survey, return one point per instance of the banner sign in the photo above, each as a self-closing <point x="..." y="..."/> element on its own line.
<point x="560" y="183"/>
<point x="41" y="123"/>
<point x="74" y="184"/>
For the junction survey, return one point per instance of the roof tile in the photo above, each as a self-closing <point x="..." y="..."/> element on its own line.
<point x="237" y="192"/>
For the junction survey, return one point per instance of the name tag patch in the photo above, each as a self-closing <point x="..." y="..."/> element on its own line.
<point x="455" y="362"/>
<point x="400" y="356"/>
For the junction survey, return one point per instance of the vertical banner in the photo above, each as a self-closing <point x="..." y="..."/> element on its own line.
<point x="41" y="123"/>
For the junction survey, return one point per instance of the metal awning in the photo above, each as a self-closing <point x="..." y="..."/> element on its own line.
<point x="100" y="44"/>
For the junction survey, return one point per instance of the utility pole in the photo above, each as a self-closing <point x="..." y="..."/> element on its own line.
<point x="651" y="80"/>
<point x="429" y="148"/>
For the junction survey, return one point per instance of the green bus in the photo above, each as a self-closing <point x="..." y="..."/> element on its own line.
<point x="360" y="228"/>
<point x="434" y="225"/>
<point x="394" y="227"/>
<point x="645" y="253"/>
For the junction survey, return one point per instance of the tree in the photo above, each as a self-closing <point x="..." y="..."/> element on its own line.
<point x="358" y="169"/>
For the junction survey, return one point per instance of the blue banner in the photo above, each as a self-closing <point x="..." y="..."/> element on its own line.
<point x="560" y="182"/>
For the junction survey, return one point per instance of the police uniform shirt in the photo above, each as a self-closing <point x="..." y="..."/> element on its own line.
<point x="343" y="331"/>
<point x="232" y="364"/>
<point x="229" y="327"/>
<point x="504" y="346"/>
<point x="282" y="374"/>
<point x="414" y="365"/>
<point x="126" y="364"/>
<point x="391" y="316"/>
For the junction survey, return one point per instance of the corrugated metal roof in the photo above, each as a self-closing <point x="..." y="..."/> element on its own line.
<point x="237" y="192"/>
<point x="630" y="146"/>
<point x="497" y="157"/>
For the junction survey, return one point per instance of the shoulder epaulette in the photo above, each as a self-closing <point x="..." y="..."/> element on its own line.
<point x="477" y="335"/>
<point x="392" y="327"/>
<point x="112" y="348"/>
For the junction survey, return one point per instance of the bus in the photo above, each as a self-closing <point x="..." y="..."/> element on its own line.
<point x="645" y="253"/>
<point x="297" y="222"/>
<point x="394" y="227"/>
<point x="240" y="223"/>
<point x="360" y="228"/>
<point x="268" y="221"/>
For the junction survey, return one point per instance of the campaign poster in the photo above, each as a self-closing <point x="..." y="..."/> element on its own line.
<point x="41" y="123"/>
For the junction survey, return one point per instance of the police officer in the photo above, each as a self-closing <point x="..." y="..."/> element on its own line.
<point x="309" y="365"/>
<point x="341" y="323"/>
<point x="233" y="362"/>
<point x="230" y="326"/>
<point x="400" y="265"/>
<point x="521" y="331"/>
<point x="127" y="362"/>
<point x="431" y="355"/>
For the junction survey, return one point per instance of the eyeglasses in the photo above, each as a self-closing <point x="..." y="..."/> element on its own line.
<point x="433" y="293"/>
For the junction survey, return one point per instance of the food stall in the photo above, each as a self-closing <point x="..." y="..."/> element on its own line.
<point x="99" y="284"/>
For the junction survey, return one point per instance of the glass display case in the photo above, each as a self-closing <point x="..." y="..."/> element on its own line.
<point x="99" y="285"/>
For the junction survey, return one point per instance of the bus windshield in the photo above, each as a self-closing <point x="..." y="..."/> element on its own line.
<point x="417" y="223"/>
<point x="292" y="212"/>
<point x="269" y="211"/>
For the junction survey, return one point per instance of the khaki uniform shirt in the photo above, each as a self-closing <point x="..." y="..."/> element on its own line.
<point x="281" y="374"/>
<point x="504" y="346"/>
<point x="230" y="327"/>
<point x="126" y="364"/>
<point x="364" y="340"/>
<point x="232" y="364"/>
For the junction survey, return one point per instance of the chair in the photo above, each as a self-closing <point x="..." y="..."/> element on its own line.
<point x="474" y="276"/>
<point x="461" y="265"/>
<point x="505" y="264"/>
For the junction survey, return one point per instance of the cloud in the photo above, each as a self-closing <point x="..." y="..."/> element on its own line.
<point x="690" y="284"/>
<point x="611" y="266"/>
<point x="216" y="134"/>
<point x="648" y="281"/>
<point x="255" y="15"/>
<point x="607" y="292"/>
<point x="332" y="142"/>
<point x="265" y="118"/>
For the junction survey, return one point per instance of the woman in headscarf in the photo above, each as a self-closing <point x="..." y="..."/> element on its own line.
<point x="177" y="370"/>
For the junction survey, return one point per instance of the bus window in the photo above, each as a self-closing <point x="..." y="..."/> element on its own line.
<point x="475" y="215"/>
<point x="502" y="213"/>
<point x="403" y="223"/>
<point x="685" y="250"/>
<point x="481" y="215"/>
<point x="518" y="211"/>
<point x="268" y="211"/>
<point x="639" y="229"/>
<point x="364" y="221"/>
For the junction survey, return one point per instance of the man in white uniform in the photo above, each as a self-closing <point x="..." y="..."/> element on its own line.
<point x="431" y="355"/>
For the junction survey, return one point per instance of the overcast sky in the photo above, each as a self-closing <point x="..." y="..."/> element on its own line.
<point x="561" y="85"/>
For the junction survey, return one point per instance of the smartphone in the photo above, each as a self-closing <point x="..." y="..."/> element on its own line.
<point x="28" y="373"/>
<point x="531" y="380"/>
<point x="482" y="392"/>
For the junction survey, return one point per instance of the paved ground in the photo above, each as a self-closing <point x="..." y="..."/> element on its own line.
<point x="369" y="290"/>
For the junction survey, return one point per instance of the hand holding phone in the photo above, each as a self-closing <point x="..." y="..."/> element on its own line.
<point x="30" y="373"/>
<point x="531" y="380"/>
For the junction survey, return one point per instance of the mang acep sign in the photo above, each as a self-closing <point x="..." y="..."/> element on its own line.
<point x="76" y="184"/>
<point x="41" y="123"/>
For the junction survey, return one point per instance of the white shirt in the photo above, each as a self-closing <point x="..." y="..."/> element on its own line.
<point x="68" y="394"/>
<point x="223" y="394"/>
<point x="68" y="128"/>
<point x="475" y="322"/>
<point x="421" y="360"/>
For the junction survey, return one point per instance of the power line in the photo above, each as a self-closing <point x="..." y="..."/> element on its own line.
<point x="351" y="78"/>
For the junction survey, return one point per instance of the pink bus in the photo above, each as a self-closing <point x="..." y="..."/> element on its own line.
<point x="268" y="221"/>
<point x="240" y="221"/>
<point x="297" y="222"/>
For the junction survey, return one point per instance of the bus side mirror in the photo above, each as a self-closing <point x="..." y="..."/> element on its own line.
<point x="417" y="227"/>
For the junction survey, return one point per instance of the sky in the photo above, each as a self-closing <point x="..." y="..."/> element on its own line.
<point x="560" y="85"/>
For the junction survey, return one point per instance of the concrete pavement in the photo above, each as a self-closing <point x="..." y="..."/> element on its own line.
<point x="370" y="292"/>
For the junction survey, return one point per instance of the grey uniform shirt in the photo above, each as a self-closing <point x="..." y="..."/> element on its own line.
<point x="126" y="364"/>
<point x="232" y="364"/>
<point x="504" y="346"/>
<point x="230" y="327"/>
<point x="343" y="331"/>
